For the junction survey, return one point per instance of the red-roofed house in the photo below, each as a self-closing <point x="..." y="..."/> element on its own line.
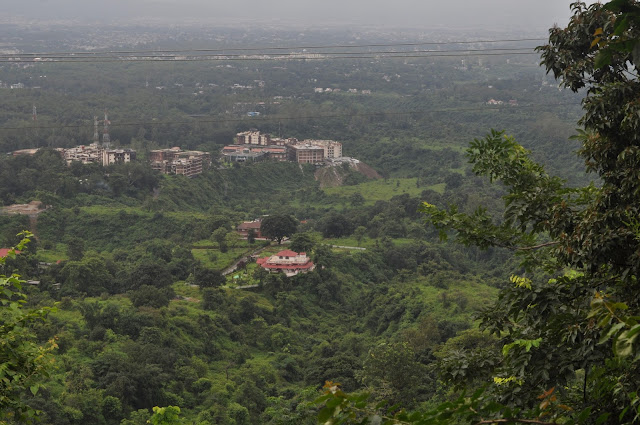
<point x="5" y="251"/>
<point x="289" y="262"/>
<point x="244" y="227"/>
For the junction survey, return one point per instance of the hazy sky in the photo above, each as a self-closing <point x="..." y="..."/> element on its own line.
<point x="525" y="14"/>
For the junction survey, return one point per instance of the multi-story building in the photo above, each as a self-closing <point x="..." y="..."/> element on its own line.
<point x="306" y="154"/>
<point x="177" y="161"/>
<point x="277" y="141"/>
<point x="85" y="154"/>
<point x="235" y="153"/>
<point x="159" y="155"/>
<point x="277" y="153"/>
<point x="251" y="143"/>
<point x="253" y="138"/>
<point x="113" y="156"/>
<point x="332" y="149"/>
<point x="244" y="153"/>
<point x="94" y="153"/>
<point x="190" y="166"/>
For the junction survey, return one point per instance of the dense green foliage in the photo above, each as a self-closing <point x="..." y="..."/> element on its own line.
<point x="278" y="227"/>
<point x="159" y="301"/>
<point x="25" y="363"/>
<point x="133" y="333"/>
<point x="568" y="331"/>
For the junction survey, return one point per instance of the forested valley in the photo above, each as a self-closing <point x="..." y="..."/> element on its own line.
<point x="137" y="296"/>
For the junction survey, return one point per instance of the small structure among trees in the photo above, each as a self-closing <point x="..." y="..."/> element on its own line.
<point x="246" y="229"/>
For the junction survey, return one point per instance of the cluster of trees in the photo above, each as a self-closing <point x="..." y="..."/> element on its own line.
<point x="46" y="176"/>
<point x="120" y="355"/>
<point x="127" y="342"/>
<point x="561" y="341"/>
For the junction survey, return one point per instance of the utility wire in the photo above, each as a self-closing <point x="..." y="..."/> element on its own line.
<point x="292" y="57"/>
<point x="294" y="54"/>
<point x="276" y="118"/>
<point x="231" y="49"/>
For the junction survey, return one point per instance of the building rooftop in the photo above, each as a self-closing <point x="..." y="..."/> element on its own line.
<point x="288" y="253"/>
<point x="5" y="251"/>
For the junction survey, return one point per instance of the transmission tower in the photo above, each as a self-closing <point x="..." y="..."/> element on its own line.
<point x="106" y="140"/>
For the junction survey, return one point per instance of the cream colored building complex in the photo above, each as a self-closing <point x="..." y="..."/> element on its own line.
<point x="332" y="149"/>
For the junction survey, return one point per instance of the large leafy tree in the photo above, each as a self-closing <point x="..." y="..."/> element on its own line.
<point x="279" y="226"/>
<point x="569" y="327"/>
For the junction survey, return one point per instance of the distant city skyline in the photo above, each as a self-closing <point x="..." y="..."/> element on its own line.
<point x="423" y="14"/>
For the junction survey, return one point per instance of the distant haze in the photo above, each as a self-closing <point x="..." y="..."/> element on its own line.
<point x="534" y="15"/>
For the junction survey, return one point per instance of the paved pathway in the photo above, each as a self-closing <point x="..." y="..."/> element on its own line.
<point x="232" y="268"/>
<point x="349" y="247"/>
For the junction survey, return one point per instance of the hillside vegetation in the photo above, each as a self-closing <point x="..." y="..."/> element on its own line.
<point x="134" y="260"/>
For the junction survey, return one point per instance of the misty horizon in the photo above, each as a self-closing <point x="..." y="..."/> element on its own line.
<point x="497" y="15"/>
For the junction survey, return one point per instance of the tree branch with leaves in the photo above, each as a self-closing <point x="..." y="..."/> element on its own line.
<point x="24" y="363"/>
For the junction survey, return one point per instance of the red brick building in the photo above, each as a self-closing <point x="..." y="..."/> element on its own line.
<point x="244" y="228"/>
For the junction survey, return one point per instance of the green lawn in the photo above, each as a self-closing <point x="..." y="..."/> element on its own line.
<point x="380" y="190"/>
<point x="106" y="210"/>
<point x="58" y="252"/>
<point x="102" y="209"/>
<point x="217" y="260"/>
<point x="454" y="296"/>
<point x="366" y="242"/>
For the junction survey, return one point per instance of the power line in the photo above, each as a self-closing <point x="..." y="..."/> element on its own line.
<point x="275" y="118"/>
<point x="336" y="46"/>
<point x="297" y="55"/>
<point x="292" y="57"/>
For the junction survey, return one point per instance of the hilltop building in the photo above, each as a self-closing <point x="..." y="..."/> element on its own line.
<point x="306" y="154"/>
<point x="94" y="153"/>
<point x="332" y="149"/>
<point x="277" y="141"/>
<point x="289" y="262"/>
<point x="253" y="138"/>
<point x="85" y="154"/>
<point x="244" y="153"/>
<point x="254" y="146"/>
<point x="113" y="156"/>
<point x="177" y="161"/>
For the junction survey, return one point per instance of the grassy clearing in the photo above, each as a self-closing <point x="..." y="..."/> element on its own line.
<point x="366" y="242"/>
<point x="58" y="252"/>
<point x="105" y="210"/>
<point x="455" y="297"/>
<point x="380" y="190"/>
<point x="217" y="260"/>
<point x="182" y="289"/>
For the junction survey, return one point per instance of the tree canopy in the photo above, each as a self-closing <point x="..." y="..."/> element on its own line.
<point x="279" y="226"/>
<point x="568" y="327"/>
